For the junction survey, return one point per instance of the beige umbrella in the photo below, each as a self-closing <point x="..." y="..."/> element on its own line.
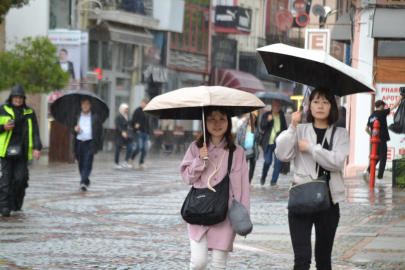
<point x="188" y="103"/>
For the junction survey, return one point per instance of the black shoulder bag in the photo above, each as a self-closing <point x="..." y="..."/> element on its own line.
<point x="203" y="206"/>
<point x="311" y="196"/>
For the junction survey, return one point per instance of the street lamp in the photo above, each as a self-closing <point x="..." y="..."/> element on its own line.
<point x="323" y="12"/>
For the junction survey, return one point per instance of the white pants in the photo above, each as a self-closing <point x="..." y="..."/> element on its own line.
<point x="199" y="252"/>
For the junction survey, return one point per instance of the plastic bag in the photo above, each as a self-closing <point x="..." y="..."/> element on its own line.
<point x="398" y="126"/>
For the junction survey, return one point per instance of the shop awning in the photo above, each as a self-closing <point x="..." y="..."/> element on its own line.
<point x="388" y="23"/>
<point x="236" y="79"/>
<point x="342" y="29"/>
<point x="121" y="33"/>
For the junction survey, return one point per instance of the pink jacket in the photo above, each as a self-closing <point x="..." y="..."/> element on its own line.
<point x="219" y="236"/>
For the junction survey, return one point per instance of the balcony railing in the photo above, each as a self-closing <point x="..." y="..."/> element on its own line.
<point x="140" y="7"/>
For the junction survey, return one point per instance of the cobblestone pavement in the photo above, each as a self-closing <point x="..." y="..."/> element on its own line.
<point x="129" y="219"/>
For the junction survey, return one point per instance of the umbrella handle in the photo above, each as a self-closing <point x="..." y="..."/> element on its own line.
<point x="203" y="118"/>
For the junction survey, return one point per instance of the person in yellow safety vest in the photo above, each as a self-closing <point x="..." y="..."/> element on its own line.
<point x="19" y="142"/>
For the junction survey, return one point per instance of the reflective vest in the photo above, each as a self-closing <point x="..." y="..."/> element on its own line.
<point x="6" y="135"/>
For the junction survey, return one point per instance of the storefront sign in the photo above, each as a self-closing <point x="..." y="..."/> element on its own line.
<point x="389" y="93"/>
<point x="224" y="52"/>
<point x="317" y="39"/>
<point x="155" y="74"/>
<point x="233" y="17"/>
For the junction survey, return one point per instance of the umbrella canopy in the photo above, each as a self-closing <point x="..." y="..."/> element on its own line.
<point x="268" y="97"/>
<point x="313" y="68"/>
<point x="67" y="107"/>
<point x="186" y="103"/>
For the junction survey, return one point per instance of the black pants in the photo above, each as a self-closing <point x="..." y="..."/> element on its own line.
<point x="252" y="165"/>
<point x="13" y="182"/>
<point x="84" y="156"/>
<point x="382" y="154"/>
<point x="326" y="223"/>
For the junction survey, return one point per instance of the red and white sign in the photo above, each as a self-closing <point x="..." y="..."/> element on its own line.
<point x="299" y="6"/>
<point x="317" y="39"/>
<point x="389" y="93"/>
<point x="54" y="96"/>
<point x="390" y="154"/>
<point x="283" y="19"/>
<point x="302" y="19"/>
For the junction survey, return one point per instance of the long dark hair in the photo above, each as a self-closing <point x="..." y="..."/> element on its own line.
<point x="228" y="134"/>
<point x="334" y="110"/>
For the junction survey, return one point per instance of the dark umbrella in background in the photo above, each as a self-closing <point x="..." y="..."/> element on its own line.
<point x="268" y="97"/>
<point x="67" y="107"/>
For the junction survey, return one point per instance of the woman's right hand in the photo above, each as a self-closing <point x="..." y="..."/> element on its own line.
<point x="296" y="118"/>
<point x="124" y="134"/>
<point x="203" y="151"/>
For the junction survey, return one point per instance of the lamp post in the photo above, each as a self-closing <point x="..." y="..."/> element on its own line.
<point x="328" y="11"/>
<point x="78" y="8"/>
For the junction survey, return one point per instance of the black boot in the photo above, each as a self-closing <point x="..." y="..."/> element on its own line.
<point x="262" y="180"/>
<point x="5" y="211"/>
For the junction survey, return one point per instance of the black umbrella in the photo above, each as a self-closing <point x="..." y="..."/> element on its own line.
<point x="67" y="107"/>
<point x="268" y="97"/>
<point x="313" y="68"/>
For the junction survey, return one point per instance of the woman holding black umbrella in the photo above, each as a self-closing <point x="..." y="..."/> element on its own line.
<point x="122" y="136"/>
<point x="319" y="152"/>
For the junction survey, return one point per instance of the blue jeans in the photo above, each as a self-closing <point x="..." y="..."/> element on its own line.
<point x="141" y="145"/>
<point x="268" y="158"/>
<point x="118" y="151"/>
<point x="84" y="156"/>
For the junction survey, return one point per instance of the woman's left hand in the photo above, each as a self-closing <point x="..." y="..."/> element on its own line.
<point x="303" y="145"/>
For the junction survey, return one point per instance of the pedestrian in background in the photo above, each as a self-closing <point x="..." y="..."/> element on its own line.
<point x="19" y="142"/>
<point x="381" y="115"/>
<point x="305" y="145"/>
<point x="271" y="124"/>
<point x="88" y="141"/>
<point x="122" y="136"/>
<point x="219" y="237"/>
<point x="248" y="137"/>
<point x="140" y="123"/>
<point x="168" y="136"/>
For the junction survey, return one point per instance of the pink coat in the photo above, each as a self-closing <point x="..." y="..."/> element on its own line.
<point x="219" y="236"/>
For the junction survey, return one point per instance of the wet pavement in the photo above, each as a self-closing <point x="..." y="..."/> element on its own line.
<point x="129" y="219"/>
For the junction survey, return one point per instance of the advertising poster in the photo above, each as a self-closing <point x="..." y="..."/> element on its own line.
<point x="389" y="93"/>
<point x="69" y="50"/>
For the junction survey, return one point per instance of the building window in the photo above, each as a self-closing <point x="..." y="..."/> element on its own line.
<point x="126" y="57"/>
<point x="195" y="29"/>
<point x="93" y="54"/>
<point x="391" y="48"/>
<point x="106" y="52"/>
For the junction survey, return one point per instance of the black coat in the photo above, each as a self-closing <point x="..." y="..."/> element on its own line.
<point x="267" y="126"/>
<point x="96" y="133"/>
<point x="121" y="124"/>
<point x="142" y="119"/>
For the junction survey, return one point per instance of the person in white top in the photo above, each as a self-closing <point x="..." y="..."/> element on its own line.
<point x="89" y="140"/>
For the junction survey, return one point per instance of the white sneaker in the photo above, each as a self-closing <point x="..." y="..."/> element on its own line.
<point x="126" y="165"/>
<point x="117" y="167"/>
<point x="366" y="176"/>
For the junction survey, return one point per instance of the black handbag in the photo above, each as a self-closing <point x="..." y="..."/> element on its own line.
<point x="250" y="153"/>
<point x="13" y="151"/>
<point x="312" y="195"/>
<point x="202" y="206"/>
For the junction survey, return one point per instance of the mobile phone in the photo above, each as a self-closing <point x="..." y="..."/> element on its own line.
<point x="11" y="121"/>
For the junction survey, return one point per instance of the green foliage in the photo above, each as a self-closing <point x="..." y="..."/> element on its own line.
<point x="400" y="171"/>
<point x="5" y="6"/>
<point x="33" y="63"/>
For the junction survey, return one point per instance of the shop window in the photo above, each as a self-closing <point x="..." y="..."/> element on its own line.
<point x="123" y="86"/>
<point x="106" y="52"/>
<point x="59" y="14"/>
<point x="391" y="48"/>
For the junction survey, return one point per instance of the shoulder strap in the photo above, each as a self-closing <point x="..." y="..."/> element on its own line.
<point x="331" y="138"/>
<point x="230" y="158"/>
